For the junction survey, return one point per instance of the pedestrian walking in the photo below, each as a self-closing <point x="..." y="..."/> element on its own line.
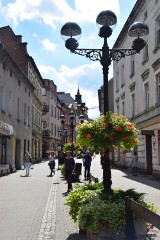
<point x="134" y="163"/>
<point x="51" y="163"/>
<point x="69" y="168"/>
<point x="87" y="159"/>
<point x="27" y="162"/>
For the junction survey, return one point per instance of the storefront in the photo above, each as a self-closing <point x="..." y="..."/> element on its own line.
<point x="6" y="146"/>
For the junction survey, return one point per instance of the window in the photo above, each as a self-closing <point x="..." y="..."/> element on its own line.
<point x="133" y="104"/>
<point x="158" y="88"/>
<point x="117" y="81"/>
<point x="55" y="130"/>
<point x="18" y="109"/>
<point x="158" y="32"/>
<point x="145" y="16"/>
<point x="117" y="105"/>
<point x="51" y="110"/>
<point x="52" y="128"/>
<point x="43" y="125"/>
<point x="145" y="53"/>
<point x="55" y="112"/>
<point x="123" y="108"/>
<point x="4" y="65"/>
<point x="10" y="104"/>
<point x="122" y="76"/>
<point x="3" y="99"/>
<point x="146" y="92"/>
<point x="44" y="92"/>
<point x="28" y="116"/>
<point x="10" y="72"/>
<point x="132" y="65"/>
<point x="25" y="109"/>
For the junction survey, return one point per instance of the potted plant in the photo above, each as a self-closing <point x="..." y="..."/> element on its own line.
<point x="106" y="132"/>
<point x="97" y="212"/>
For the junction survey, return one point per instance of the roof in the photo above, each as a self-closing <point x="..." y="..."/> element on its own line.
<point x="65" y="98"/>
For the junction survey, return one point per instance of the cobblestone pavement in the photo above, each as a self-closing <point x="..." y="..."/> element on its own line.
<point x="33" y="208"/>
<point x="22" y="203"/>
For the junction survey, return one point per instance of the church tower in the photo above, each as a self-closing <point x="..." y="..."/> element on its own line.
<point x="78" y="97"/>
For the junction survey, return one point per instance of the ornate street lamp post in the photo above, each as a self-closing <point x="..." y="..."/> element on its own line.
<point x="71" y="32"/>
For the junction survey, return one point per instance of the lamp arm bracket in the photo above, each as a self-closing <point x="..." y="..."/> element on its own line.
<point x="96" y="54"/>
<point x="92" y="54"/>
<point x="118" y="54"/>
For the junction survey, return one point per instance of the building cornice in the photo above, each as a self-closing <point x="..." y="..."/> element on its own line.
<point x="132" y="17"/>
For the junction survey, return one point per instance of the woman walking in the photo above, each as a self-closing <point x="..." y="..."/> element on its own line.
<point x="51" y="163"/>
<point x="27" y="162"/>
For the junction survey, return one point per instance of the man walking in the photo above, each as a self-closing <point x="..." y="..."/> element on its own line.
<point x="87" y="164"/>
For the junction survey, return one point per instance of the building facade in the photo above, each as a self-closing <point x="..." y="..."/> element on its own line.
<point x="51" y="124"/>
<point x="137" y="86"/>
<point x="15" y="113"/>
<point x="18" y="52"/>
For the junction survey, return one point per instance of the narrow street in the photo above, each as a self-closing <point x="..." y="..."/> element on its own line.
<point x="32" y="208"/>
<point x="22" y="203"/>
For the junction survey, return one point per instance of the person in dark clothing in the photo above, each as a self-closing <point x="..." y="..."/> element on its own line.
<point x="87" y="158"/>
<point x="51" y="163"/>
<point x="69" y="168"/>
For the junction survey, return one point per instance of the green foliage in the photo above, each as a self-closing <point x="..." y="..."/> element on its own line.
<point x="95" y="210"/>
<point x="63" y="170"/>
<point x="108" y="131"/>
<point x="72" y="147"/>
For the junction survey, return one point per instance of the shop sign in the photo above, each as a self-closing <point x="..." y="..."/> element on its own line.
<point x="6" y="129"/>
<point x="147" y="132"/>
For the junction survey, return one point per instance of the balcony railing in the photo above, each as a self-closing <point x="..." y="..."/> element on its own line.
<point x="45" y="109"/>
<point x="46" y="132"/>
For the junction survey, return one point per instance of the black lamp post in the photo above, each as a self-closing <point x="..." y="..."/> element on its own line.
<point x="106" y="19"/>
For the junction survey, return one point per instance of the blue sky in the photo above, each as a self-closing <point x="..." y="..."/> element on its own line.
<point x="40" y="21"/>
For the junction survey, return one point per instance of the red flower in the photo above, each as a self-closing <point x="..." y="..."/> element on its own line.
<point x="111" y="138"/>
<point x="89" y="135"/>
<point x="129" y="125"/>
<point x="126" y="137"/>
<point x="134" y="141"/>
<point x="119" y="129"/>
<point x="123" y="152"/>
<point x="106" y="125"/>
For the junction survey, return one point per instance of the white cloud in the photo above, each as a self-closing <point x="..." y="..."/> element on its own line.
<point x="52" y="11"/>
<point x="48" y="45"/>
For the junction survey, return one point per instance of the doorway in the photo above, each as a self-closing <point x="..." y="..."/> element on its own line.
<point x="149" y="154"/>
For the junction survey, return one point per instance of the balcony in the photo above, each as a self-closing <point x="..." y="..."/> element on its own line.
<point x="45" y="108"/>
<point x="46" y="132"/>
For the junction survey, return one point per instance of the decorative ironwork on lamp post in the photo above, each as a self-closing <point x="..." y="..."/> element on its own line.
<point x="71" y="32"/>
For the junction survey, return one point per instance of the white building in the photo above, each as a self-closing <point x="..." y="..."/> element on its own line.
<point x="137" y="86"/>
<point x="51" y="123"/>
<point x="15" y="113"/>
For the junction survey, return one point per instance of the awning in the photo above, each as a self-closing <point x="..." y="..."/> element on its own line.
<point x="6" y="129"/>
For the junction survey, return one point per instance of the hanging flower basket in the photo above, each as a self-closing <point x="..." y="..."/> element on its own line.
<point x="106" y="132"/>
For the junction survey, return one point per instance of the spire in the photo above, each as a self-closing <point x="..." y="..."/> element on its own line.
<point x="78" y="97"/>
